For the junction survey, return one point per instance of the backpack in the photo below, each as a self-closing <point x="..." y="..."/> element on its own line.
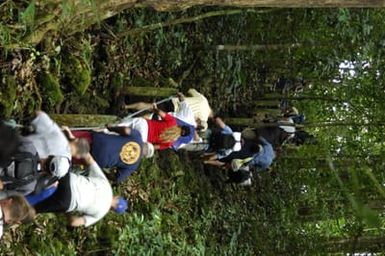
<point x="21" y="172"/>
<point x="8" y="143"/>
<point x="242" y="177"/>
<point x="240" y="172"/>
<point x="241" y="169"/>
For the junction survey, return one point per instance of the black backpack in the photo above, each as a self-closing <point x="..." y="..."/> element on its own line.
<point x="21" y="172"/>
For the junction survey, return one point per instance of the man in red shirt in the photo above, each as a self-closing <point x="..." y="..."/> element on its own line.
<point x="161" y="133"/>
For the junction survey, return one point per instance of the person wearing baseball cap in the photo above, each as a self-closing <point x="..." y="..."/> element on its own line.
<point x="50" y="141"/>
<point x="90" y="195"/>
<point x="57" y="166"/>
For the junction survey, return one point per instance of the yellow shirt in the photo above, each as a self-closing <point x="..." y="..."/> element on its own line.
<point x="197" y="103"/>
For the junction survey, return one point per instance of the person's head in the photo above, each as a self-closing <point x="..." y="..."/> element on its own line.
<point x="9" y="141"/>
<point x="119" y="205"/>
<point x="185" y="131"/>
<point x="57" y="166"/>
<point x="79" y="148"/>
<point x="16" y="210"/>
<point x="249" y="134"/>
<point x="221" y="141"/>
<point x="303" y="137"/>
<point x="148" y="150"/>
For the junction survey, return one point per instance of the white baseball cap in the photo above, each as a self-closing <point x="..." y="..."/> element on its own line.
<point x="59" y="166"/>
<point x="150" y="150"/>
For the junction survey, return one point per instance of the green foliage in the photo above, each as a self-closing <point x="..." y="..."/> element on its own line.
<point x="27" y="17"/>
<point x="8" y="95"/>
<point x="76" y="73"/>
<point x="51" y="89"/>
<point x="5" y="35"/>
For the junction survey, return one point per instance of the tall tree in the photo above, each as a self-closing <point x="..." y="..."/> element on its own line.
<point x="86" y="13"/>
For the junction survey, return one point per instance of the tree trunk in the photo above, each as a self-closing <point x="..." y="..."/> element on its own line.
<point x="257" y="47"/>
<point x="86" y="13"/>
<point x="197" y="18"/>
<point x="277" y="96"/>
<point x="165" y="5"/>
<point x="252" y="123"/>
<point x="149" y="91"/>
<point x="74" y="120"/>
<point x="365" y="244"/>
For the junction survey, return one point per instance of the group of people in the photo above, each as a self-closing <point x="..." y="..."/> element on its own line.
<point x="38" y="161"/>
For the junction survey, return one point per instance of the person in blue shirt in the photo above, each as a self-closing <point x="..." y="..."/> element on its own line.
<point x="183" y="140"/>
<point x="123" y="152"/>
<point x="118" y="147"/>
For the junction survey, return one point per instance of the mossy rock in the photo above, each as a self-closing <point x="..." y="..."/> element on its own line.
<point x="77" y="74"/>
<point x="50" y="85"/>
<point x="7" y="96"/>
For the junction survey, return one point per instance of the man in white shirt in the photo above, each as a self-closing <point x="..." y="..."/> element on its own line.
<point x="90" y="195"/>
<point x="50" y="141"/>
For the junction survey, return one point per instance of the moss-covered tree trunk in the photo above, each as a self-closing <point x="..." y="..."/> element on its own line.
<point x="80" y="14"/>
<point x="177" y="4"/>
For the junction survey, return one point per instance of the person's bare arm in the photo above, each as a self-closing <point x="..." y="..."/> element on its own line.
<point x="214" y="162"/>
<point x="121" y="130"/>
<point x="209" y="154"/>
<point x="211" y="115"/>
<point x="180" y="96"/>
<point x="194" y="93"/>
<point x="38" y="112"/>
<point x="159" y="112"/>
<point x="156" y="147"/>
<point x="76" y="221"/>
<point x="196" y="136"/>
<point x="67" y="131"/>
<point x="219" y="122"/>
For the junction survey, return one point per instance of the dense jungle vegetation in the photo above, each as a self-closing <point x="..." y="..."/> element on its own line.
<point x="318" y="199"/>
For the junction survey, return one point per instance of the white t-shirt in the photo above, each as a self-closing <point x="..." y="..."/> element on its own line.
<point x="287" y="125"/>
<point x="49" y="138"/>
<point x="92" y="195"/>
<point x="185" y="114"/>
<point x="237" y="146"/>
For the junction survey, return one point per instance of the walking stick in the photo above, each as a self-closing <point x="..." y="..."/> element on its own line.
<point x="129" y="116"/>
<point x="148" y="108"/>
<point x="13" y="124"/>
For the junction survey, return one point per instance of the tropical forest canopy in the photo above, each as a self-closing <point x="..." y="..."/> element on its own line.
<point x="323" y="198"/>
